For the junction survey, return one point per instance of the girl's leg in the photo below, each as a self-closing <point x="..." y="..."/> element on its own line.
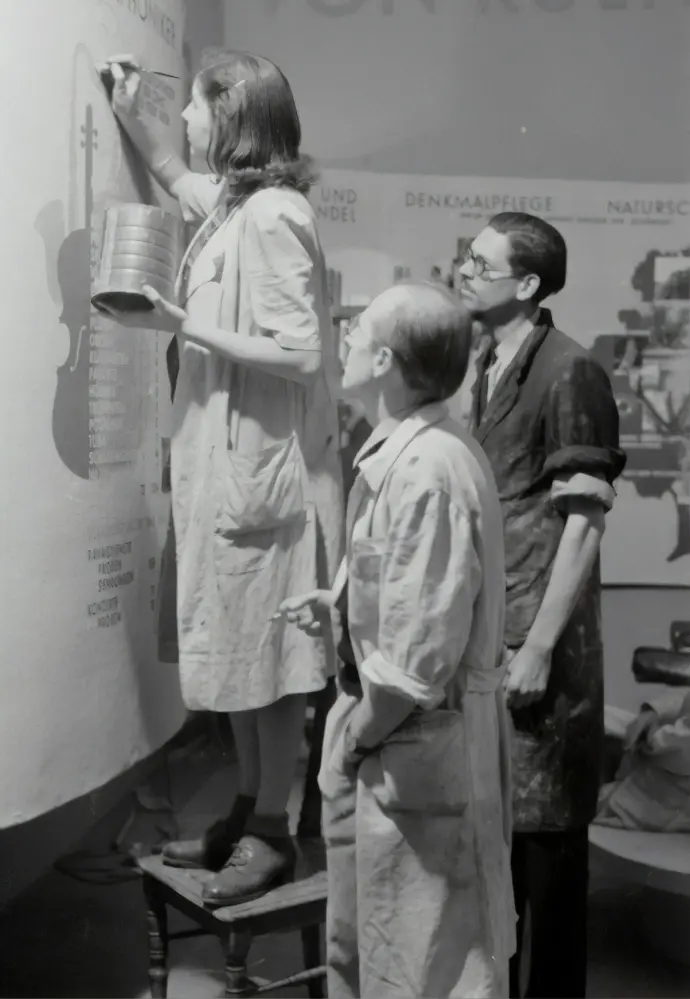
<point x="215" y="846"/>
<point x="265" y="856"/>
<point x="245" y="732"/>
<point x="280" y="734"/>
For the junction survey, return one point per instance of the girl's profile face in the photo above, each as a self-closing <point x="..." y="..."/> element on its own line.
<point x="199" y="121"/>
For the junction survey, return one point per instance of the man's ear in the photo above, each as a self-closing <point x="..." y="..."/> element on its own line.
<point x="383" y="362"/>
<point x="528" y="287"/>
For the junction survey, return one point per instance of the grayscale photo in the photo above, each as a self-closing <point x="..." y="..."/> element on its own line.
<point x="345" y="572"/>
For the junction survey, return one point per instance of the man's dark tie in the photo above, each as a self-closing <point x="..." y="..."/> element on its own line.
<point x="488" y="362"/>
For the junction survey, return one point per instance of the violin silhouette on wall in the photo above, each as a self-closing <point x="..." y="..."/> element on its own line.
<point x="72" y="249"/>
<point x="69" y="265"/>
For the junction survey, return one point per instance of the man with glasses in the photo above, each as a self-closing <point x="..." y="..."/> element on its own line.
<point x="544" y="412"/>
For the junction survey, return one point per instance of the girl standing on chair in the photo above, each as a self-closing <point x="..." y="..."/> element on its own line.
<point x="256" y="483"/>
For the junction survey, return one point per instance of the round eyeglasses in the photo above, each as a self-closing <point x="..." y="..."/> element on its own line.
<point x="481" y="269"/>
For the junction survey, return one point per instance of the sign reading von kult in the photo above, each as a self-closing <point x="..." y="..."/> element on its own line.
<point x="341" y="8"/>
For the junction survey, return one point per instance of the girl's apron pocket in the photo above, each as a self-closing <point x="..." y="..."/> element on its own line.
<point x="255" y="572"/>
<point x="262" y="502"/>
<point x="263" y="490"/>
<point x="246" y="553"/>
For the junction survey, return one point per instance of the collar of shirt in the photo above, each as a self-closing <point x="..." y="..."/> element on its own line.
<point x="390" y="438"/>
<point x="505" y="351"/>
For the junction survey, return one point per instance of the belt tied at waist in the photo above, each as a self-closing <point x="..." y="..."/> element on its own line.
<point x="479" y="680"/>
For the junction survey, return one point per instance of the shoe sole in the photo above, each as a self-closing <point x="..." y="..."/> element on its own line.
<point x="189" y="865"/>
<point x="287" y="877"/>
<point x="193" y="865"/>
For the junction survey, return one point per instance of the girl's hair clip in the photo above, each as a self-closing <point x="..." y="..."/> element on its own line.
<point x="228" y="88"/>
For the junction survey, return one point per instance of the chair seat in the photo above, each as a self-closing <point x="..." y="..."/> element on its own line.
<point x="653" y="859"/>
<point x="309" y="888"/>
<point x="300" y="905"/>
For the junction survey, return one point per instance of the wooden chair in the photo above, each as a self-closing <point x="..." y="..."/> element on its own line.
<point x="658" y="861"/>
<point x="298" y="906"/>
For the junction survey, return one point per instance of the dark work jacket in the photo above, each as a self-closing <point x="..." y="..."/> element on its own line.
<point x="551" y="414"/>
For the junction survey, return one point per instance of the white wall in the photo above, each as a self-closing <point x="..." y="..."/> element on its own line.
<point x="581" y="89"/>
<point x="83" y="695"/>
<point x="204" y="27"/>
<point x="564" y="89"/>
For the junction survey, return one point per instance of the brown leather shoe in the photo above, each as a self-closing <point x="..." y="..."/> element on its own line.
<point x="255" y="868"/>
<point x="212" y="850"/>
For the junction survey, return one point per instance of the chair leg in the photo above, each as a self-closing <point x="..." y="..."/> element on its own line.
<point x="157" y="918"/>
<point x="236" y="952"/>
<point x="311" y="951"/>
<point x="310" y="813"/>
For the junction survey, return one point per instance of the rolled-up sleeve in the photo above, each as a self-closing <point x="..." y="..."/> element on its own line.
<point x="430" y="577"/>
<point x="198" y="194"/>
<point x="583" y="454"/>
<point x="283" y="269"/>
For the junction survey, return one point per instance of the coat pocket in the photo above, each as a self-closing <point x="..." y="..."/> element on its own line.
<point x="263" y="490"/>
<point x="255" y="571"/>
<point x="423" y="766"/>
<point x="262" y="503"/>
<point x="364" y="572"/>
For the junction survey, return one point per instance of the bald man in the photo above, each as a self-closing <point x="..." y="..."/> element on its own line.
<point x="415" y="779"/>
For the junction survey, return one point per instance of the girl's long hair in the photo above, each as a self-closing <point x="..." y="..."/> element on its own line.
<point x="256" y="133"/>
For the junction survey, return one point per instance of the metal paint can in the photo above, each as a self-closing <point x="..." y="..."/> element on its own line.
<point x="141" y="245"/>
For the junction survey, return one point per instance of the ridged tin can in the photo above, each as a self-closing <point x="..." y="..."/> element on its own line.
<point x="141" y="245"/>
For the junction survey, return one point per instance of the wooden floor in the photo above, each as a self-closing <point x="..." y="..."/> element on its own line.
<point x="69" y="939"/>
